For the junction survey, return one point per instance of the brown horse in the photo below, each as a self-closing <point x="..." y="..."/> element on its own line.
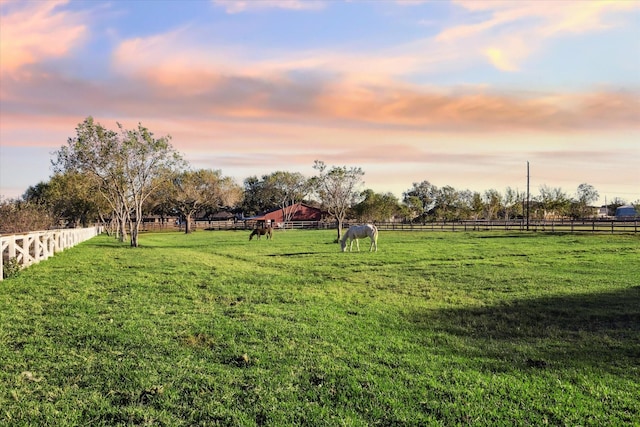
<point x="261" y="232"/>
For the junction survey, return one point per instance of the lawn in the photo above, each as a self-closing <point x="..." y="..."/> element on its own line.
<point x="442" y="329"/>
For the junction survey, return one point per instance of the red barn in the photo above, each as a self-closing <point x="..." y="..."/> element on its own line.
<point x="301" y="212"/>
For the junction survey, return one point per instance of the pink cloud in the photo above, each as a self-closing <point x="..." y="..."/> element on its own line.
<point x="35" y="31"/>
<point x="20" y="130"/>
<point x="177" y="74"/>
<point x="482" y="111"/>
<point x="280" y="100"/>
<point x="513" y="30"/>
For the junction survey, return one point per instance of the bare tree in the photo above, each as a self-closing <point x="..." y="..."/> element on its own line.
<point x="149" y="162"/>
<point x="95" y="152"/>
<point x="586" y="194"/>
<point x="19" y="216"/>
<point x="127" y="167"/>
<point x="289" y="189"/>
<point x="338" y="189"/>
<point x="492" y="203"/>
<point x="510" y="201"/>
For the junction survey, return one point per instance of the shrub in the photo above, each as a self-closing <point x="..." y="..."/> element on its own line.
<point x="10" y="268"/>
<point x="17" y="216"/>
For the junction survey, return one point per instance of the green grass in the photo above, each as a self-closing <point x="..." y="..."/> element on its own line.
<point x="208" y="329"/>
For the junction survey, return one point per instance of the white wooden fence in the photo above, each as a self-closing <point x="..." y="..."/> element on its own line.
<point x="33" y="247"/>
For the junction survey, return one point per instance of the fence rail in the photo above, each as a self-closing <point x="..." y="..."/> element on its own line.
<point x="559" y="226"/>
<point x="582" y="226"/>
<point x="31" y="248"/>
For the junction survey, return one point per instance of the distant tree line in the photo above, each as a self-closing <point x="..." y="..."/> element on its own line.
<point x="119" y="177"/>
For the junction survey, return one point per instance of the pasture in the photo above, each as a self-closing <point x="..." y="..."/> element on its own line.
<point x="442" y="329"/>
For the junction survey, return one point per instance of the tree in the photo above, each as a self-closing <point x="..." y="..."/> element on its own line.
<point x="160" y="202"/>
<point x="477" y="205"/>
<point x="148" y="163"/>
<point x="586" y="194"/>
<point x="492" y="203"/>
<point x="338" y="189"/>
<point x="615" y="204"/>
<point x="201" y="189"/>
<point x="96" y="152"/>
<point x="465" y="200"/>
<point x="554" y="201"/>
<point x="421" y="198"/>
<point x="447" y="204"/>
<point x="127" y="166"/>
<point x="288" y="189"/>
<point x="376" y="206"/>
<point x="69" y="197"/>
<point x="511" y="202"/>
<point x="258" y="197"/>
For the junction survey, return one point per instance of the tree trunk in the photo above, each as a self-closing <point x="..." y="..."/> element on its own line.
<point x="339" y="222"/>
<point x="122" y="228"/>
<point x="135" y="230"/>
<point x="187" y="221"/>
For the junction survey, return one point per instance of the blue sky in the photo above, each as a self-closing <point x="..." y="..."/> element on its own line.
<point x="459" y="93"/>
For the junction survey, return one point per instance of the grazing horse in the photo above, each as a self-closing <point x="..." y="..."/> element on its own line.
<point x="356" y="232"/>
<point x="261" y="232"/>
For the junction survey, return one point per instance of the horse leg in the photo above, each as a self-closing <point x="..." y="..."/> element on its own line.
<point x="358" y="244"/>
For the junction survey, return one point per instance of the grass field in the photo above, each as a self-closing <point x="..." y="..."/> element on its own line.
<point x="443" y="329"/>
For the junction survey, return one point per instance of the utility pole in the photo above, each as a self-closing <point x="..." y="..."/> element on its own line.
<point x="527" y="195"/>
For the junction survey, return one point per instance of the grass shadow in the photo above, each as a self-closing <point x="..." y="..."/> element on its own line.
<point x="585" y="330"/>
<point x="294" y="254"/>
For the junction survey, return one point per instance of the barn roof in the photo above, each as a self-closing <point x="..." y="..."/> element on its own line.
<point x="222" y="215"/>
<point x="303" y="212"/>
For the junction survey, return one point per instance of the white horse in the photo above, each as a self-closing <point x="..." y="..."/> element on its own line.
<point x="356" y="232"/>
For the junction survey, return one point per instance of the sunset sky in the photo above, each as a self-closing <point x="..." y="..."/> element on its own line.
<point x="459" y="93"/>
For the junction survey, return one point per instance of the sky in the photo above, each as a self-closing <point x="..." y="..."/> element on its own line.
<point x="460" y="93"/>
